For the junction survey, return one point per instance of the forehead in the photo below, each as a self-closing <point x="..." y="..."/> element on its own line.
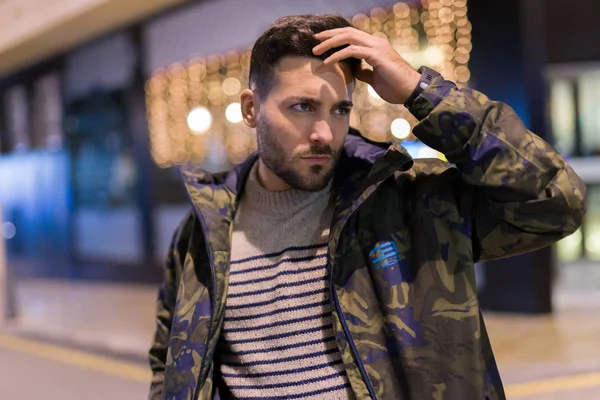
<point x="309" y="76"/>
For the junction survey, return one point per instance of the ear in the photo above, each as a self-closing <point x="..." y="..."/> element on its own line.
<point x="249" y="102"/>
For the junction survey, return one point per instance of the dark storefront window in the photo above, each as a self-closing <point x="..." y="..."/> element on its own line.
<point x="562" y="115"/>
<point x="47" y="121"/>
<point x="17" y="118"/>
<point x="591" y="229"/>
<point x="588" y="90"/>
<point x="104" y="174"/>
<point x="104" y="179"/>
<point x="574" y="115"/>
<point x="33" y="170"/>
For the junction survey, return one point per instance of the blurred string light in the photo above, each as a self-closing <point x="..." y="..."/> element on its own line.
<point x="192" y="104"/>
<point x="372" y="92"/>
<point x="233" y="113"/>
<point x="199" y="120"/>
<point x="400" y="128"/>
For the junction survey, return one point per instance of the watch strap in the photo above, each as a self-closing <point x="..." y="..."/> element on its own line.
<point x="427" y="76"/>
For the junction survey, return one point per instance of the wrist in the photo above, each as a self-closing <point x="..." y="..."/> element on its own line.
<point x="426" y="76"/>
<point x="409" y="84"/>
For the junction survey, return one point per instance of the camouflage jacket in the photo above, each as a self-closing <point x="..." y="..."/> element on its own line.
<point x="403" y="243"/>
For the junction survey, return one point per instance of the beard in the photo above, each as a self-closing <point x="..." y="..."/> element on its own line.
<point x="273" y="155"/>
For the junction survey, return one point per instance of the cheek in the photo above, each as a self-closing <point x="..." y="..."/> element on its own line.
<point x="300" y="124"/>
<point x="340" y="131"/>
<point x="284" y="133"/>
<point x="295" y="129"/>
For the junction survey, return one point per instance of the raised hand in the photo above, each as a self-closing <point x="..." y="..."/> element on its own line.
<point x="392" y="77"/>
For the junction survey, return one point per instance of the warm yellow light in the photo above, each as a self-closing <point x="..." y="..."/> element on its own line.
<point x="436" y="33"/>
<point x="231" y="86"/>
<point x="459" y="13"/>
<point x="372" y="92"/>
<point x="434" y="55"/>
<point x="378" y="13"/>
<point x="199" y="120"/>
<point x="233" y="113"/>
<point x="400" y="128"/>
<point x="446" y="15"/>
<point x="402" y="10"/>
<point x="462" y="73"/>
<point x="361" y="21"/>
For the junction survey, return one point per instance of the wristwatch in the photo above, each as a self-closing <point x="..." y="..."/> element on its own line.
<point x="427" y="76"/>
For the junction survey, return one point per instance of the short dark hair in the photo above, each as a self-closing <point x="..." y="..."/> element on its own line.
<point x="290" y="36"/>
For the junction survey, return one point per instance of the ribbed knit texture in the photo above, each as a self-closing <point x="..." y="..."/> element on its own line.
<point x="278" y="339"/>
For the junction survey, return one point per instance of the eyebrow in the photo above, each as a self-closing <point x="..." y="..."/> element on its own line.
<point x="310" y="100"/>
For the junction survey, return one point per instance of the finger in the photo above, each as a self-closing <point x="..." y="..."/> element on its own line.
<point x="336" y="31"/>
<point x="336" y="41"/>
<point x="341" y="38"/>
<point x="359" y="52"/>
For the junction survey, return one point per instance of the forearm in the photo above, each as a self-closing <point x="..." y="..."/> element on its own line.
<point x="525" y="193"/>
<point x="490" y="144"/>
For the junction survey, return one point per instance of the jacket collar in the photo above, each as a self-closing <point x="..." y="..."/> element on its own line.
<point x="363" y="163"/>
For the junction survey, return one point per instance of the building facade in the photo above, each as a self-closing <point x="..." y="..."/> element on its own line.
<point x="91" y="122"/>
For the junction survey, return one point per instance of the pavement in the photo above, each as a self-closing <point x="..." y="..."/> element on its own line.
<point x="89" y="340"/>
<point x="77" y="340"/>
<point x="109" y="318"/>
<point x="33" y="370"/>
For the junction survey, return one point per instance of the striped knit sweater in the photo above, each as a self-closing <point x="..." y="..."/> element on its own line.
<point x="277" y="340"/>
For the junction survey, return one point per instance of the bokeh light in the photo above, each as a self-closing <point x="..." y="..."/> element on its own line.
<point x="233" y="113"/>
<point x="199" y="120"/>
<point x="9" y="230"/>
<point x="202" y="94"/>
<point x="400" y="128"/>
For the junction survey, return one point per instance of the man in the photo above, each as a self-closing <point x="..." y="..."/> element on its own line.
<point x="327" y="266"/>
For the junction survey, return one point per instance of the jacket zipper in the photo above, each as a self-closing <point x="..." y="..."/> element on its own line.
<point x="338" y="307"/>
<point x="335" y="300"/>
<point x="361" y="366"/>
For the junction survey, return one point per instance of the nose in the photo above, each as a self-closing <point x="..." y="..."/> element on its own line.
<point x="321" y="132"/>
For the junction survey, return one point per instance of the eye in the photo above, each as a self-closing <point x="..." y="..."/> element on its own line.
<point x="342" y="111"/>
<point x="302" y="107"/>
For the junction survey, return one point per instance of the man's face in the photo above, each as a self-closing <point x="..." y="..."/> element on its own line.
<point x="303" y="121"/>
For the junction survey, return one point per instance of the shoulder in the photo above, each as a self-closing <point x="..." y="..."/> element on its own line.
<point x="429" y="174"/>
<point x="435" y="186"/>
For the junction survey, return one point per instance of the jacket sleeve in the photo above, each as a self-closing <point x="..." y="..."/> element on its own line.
<point x="165" y="304"/>
<point x="523" y="194"/>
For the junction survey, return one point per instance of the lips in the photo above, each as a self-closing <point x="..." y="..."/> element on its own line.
<point x="317" y="160"/>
